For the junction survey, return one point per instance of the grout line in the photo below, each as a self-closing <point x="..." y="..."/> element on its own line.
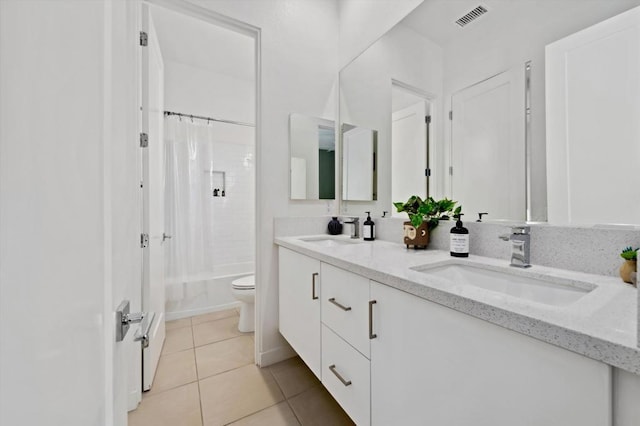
<point x="195" y="358"/>
<point x="293" y="411"/>
<point x="221" y="340"/>
<point x="251" y="414"/>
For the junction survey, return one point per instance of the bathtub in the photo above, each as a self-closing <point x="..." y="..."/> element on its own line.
<point x="201" y="296"/>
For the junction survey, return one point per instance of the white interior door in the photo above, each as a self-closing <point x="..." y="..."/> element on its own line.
<point x="408" y="153"/>
<point x="153" y="158"/>
<point x="488" y="147"/>
<point x="592" y="110"/>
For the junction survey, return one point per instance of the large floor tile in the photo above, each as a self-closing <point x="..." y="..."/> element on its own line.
<point x="226" y="355"/>
<point x="179" y="323"/>
<point x="230" y="396"/>
<point x="214" y="331"/>
<point x="293" y="376"/>
<point x="177" y="340"/>
<point x="179" y="406"/>
<point x="277" y="415"/>
<point x="175" y="369"/>
<point x="212" y="316"/>
<point x="317" y="407"/>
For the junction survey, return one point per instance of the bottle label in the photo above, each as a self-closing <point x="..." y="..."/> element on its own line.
<point x="368" y="232"/>
<point x="459" y="243"/>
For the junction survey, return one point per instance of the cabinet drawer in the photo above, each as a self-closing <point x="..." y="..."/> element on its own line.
<point x="345" y="374"/>
<point x="345" y="306"/>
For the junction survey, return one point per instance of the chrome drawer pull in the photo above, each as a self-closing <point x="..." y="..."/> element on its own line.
<point x="313" y="285"/>
<point x="333" y="370"/>
<point x="339" y="305"/>
<point x="371" y="334"/>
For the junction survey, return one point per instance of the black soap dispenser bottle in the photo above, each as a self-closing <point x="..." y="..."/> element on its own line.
<point x="459" y="239"/>
<point x="368" y="229"/>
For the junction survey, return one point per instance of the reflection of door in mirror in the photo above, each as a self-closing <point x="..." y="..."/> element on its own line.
<point x="358" y="163"/>
<point x="593" y="136"/>
<point x="488" y="147"/>
<point x="410" y="122"/>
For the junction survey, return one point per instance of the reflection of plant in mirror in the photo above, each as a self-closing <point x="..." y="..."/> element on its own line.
<point x="629" y="253"/>
<point x="429" y="210"/>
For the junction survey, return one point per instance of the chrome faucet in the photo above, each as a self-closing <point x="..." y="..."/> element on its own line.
<point x="355" y="221"/>
<point x="520" y="246"/>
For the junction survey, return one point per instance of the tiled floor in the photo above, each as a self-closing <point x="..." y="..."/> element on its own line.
<point x="207" y="377"/>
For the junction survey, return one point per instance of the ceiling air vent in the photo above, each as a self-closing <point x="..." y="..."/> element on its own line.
<point x="472" y="16"/>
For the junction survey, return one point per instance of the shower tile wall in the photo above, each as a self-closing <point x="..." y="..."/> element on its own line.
<point x="233" y="217"/>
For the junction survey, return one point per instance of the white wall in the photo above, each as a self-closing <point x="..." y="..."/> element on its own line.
<point x="362" y="22"/>
<point x="483" y="51"/>
<point x="366" y="98"/>
<point x="299" y="67"/>
<point x="198" y="91"/>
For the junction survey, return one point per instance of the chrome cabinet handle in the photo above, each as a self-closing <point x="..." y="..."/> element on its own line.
<point x="332" y="367"/>
<point x="339" y="305"/>
<point x="313" y="285"/>
<point x="371" y="334"/>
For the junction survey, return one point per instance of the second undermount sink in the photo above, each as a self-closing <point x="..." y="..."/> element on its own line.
<point x="547" y="290"/>
<point x="330" y="240"/>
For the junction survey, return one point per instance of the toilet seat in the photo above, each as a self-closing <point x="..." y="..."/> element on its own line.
<point x="244" y="283"/>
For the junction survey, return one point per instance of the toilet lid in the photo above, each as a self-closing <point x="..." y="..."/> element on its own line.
<point x="244" y="283"/>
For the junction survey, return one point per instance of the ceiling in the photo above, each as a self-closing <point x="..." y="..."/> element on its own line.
<point x="200" y="44"/>
<point x="435" y="19"/>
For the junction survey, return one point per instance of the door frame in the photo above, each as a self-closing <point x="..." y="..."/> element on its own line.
<point x="214" y="18"/>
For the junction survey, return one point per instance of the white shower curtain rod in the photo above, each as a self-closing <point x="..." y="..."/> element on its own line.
<point x="219" y="120"/>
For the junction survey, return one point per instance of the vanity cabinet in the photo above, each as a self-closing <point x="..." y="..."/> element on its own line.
<point x="299" y="305"/>
<point x="389" y="357"/>
<point x="433" y="365"/>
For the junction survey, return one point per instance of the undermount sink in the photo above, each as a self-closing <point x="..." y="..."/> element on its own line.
<point x="551" y="291"/>
<point x="330" y="241"/>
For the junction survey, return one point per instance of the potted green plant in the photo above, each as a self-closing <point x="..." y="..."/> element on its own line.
<point x="424" y="216"/>
<point x="629" y="268"/>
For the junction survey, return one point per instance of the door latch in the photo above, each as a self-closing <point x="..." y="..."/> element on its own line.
<point x="124" y="319"/>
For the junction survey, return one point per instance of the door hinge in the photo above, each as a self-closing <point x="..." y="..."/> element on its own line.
<point x="144" y="240"/>
<point x="427" y="119"/>
<point x="143" y="38"/>
<point x="427" y="172"/>
<point x="450" y="170"/>
<point x="450" y="115"/>
<point x="144" y="140"/>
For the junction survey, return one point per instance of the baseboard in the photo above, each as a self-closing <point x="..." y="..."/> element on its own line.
<point x="273" y="356"/>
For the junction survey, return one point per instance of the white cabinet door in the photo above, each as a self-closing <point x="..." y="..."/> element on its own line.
<point x="299" y="297"/>
<point x="592" y="109"/>
<point x="431" y="365"/>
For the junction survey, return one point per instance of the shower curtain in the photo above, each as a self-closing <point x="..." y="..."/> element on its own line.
<point x="188" y="211"/>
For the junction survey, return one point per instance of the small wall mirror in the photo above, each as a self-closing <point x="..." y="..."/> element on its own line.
<point x="359" y="150"/>
<point x="312" y="146"/>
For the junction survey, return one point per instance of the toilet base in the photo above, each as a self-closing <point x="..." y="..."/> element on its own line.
<point x="246" y="324"/>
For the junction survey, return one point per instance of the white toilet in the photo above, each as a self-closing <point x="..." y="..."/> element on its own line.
<point x="244" y="290"/>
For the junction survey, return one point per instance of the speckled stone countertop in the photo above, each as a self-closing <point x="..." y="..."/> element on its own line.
<point x="600" y="325"/>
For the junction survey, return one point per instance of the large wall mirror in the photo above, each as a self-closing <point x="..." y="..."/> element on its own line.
<point x="483" y="89"/>
<point x="312" y="146"/>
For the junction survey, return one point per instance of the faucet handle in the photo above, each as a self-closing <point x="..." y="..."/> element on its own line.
<point x="520" y="230"/>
